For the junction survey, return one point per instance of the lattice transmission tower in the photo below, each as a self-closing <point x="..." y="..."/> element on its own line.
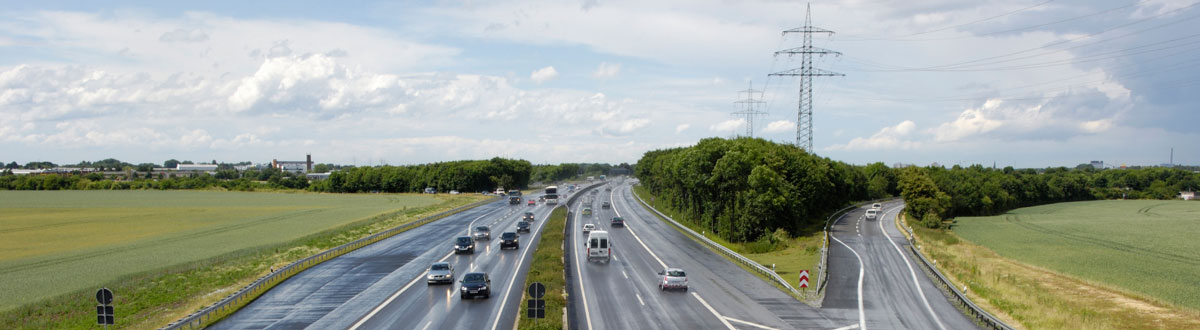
<point x="806" y="71"/>
<point x="749" y="107"/>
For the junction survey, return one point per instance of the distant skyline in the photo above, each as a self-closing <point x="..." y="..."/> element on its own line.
<point x="1036" y="83"/>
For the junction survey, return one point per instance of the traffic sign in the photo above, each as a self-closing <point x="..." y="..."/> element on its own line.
<point x="104" y="296"/>
<point x="804" y="278"/>
<point x="537" y="290"/>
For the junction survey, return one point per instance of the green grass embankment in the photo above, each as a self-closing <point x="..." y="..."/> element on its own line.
<point x="548" y="268"/>
<point x="1037" y="267"/>
<point x="150" y="293"/>
<point x="801" y="252"/>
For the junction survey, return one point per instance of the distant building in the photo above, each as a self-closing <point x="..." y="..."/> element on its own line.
<point x="317" y="176"/>
<point x="1098" y="164"/>
<point x="196" y="168"/>
<point x="304" y="166"/>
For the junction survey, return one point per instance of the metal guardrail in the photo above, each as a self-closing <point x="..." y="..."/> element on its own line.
<point x="981" y="315"/>
<point x="724" y="250"/>
<point x="237" y="299"/>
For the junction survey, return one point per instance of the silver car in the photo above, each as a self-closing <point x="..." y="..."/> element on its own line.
<point x="440" y="272"/>
<point x="672" y="278"/>
<point x="483" y="232"/>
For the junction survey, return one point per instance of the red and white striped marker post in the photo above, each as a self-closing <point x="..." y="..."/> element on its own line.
<point x="804" y="278"/>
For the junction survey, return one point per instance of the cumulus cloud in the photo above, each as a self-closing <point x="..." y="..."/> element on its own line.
<point x="1056" y="118"/>
<point x="681" y="128"/>
<point x="543" y="74"/>
<point x="607" y="70"/>
<point x="780" y="126"/>
<point x="892" y="137"/>
<point x="728" y="125"/>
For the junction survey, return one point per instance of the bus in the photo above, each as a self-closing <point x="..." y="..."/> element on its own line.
<point x="551" y="195"/>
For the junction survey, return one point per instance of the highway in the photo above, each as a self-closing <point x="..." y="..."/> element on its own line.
<point x="877" y="282"/>
<point x="382" y="286"/>
<point x="623" y="294"/>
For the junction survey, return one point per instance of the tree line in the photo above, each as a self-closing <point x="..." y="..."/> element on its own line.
<point x="465" y="176"/>
<point x="747" y="189"/>
<point x="937" y="193"/>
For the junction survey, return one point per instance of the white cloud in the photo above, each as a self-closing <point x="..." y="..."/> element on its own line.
<point x="681" y="128"/>
<point x="892" y="137"/>
<point x="729" y="125"/>
<point x="607" y="70"/>
<point x="543" y="74"/>
<point x="780" y="126"/>
<point x="183" y="35"/>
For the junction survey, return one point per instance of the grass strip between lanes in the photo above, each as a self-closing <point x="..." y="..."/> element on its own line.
<point x="152" y="299"/>
<point x="802" y="252"/>
<point x="548" y="268"/>
<point x="1031" y="297"/>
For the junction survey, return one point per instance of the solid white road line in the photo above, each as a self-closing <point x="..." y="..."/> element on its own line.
<point x="862" y="315"/>
<point x="640" y="298"/>
<point x="914" y="275"/>
<point x="848" y="327"/>
<point x="513" y="278"/>
<point x="427" y="325"/>
<point x="587" y="315"/>
<point x="635" y="235"/>
<point x="756" y="325"/>
<point x="713" y="311"/>
<point x="624" y="274"/>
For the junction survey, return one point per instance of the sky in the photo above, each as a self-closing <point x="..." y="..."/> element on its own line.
<point x="1033" y="83"/>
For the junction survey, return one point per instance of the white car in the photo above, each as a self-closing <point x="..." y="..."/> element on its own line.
<point x="587" y="228"/>
<point x="871" y="213"/>
<point x="877" y="206"/>
<point x="673" y="279"/>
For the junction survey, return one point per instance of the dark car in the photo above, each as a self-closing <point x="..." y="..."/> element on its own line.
<point x="618" y="222"/>
<point x="605" y="205"/>
<point x="508" y="239"/>
<point x="475" y="284"/>
<point x="607" y="189"/>
<point x="527" y="217"/>
<point x="523" y="226"/>
<point x="464" y="244"/>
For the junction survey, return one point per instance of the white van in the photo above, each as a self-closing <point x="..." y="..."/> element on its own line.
<point x="871" y="214"/>
<point x="598" y="246"/>
<point x="877" y="206"/>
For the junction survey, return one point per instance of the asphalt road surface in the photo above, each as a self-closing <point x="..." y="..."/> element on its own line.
<point x="893" y="291"/>
<point x="382" y="286"/>
<point x="623" y="293"/>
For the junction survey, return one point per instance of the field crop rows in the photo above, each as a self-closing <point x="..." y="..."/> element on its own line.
<point x="57" y="242"/>
<point x="1149" y="248"/>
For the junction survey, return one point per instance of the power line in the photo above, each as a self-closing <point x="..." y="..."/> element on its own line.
<point x="749" y="107"/>
<point x="806" y="71"/>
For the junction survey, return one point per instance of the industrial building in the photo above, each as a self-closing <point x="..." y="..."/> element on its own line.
<point x="297" y="166"/>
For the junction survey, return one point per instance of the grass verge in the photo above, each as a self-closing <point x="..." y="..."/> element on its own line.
<point x="151" y="299"/>
<point x="548" y="268"/>
<point x="802" y="252"/>
<point x="1026" y="296"/>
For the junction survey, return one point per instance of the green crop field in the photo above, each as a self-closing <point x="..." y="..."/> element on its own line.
<point x="1147" y="247"/>
<point x="57" y="242"/>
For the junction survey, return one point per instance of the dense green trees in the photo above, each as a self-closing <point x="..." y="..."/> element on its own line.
<point x="466" y="176"/>
<point x="746" y="188"/>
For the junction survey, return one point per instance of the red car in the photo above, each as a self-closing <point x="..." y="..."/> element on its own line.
<point x="532" y="202"/>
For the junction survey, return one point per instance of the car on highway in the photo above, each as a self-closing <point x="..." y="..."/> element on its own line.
<point x="605" y="205"/>
<point x="482" y="232"/>
<point x="618" y="222"/>
<point x="598" y="246"/>
<point x="527" y="217"/>
<point x="607" y="188"/>
<point x="587" y="211"/>
<point x="877" y="206"/>
<point x="532" y="202"/>
<point x="587" y="228"/>
<point x="454" y="192"/>
<point x="673" y="279"/>
<point x="508" y="239"/>
<point x="464" y="244"/>
<point x="871" y="213"/>
<point x="474" y="285"/>
<point x="523" y="226"/>
<point x="440" y="272"/>
<point x="594" y="192"/>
